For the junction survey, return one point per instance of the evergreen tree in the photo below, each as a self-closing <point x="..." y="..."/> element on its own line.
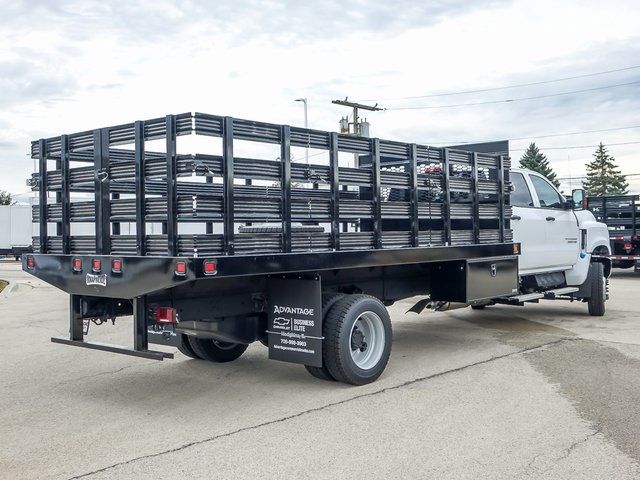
<point x="535" y="160"/>
<point x="604" y="176"/>
<point x="5" y="198"/>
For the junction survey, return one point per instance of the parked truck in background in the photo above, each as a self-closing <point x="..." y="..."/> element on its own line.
<point x="621" y="214"/>
<point x="16" y="230"/>
<point x="303" y="258"/>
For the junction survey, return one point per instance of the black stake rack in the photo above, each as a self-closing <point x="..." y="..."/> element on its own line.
<point x="365" y="193"/>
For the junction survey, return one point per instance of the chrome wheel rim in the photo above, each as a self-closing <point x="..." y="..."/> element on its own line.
<point x="367" y="340"/>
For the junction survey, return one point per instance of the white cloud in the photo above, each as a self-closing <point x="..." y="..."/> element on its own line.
<point x="69" y="66"/>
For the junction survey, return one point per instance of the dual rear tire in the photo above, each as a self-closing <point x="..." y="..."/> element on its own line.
<point x="355" y="349"/>
<point x="357" y="340"/>
<point x="209" y="349"/>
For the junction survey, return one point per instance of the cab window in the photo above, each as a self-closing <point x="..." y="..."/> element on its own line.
<point x="520" y="196"/>
<point x="547" y="195"/>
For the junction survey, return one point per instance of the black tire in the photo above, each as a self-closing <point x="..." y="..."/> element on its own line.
<point x="598" y="290"/>
<point x="322" y="372"/>
<point x="185" y="348"/>
<point x="215" y="351"/>
<point x="338" y="339"/>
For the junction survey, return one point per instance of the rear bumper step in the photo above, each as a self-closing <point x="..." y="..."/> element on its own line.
<point x="150" y="354"/>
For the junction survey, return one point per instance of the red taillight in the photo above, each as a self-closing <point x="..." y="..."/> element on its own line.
<point x="210" y="267"/>
<point x="96" y="265"/>
<point x="165" y="315"/>
<point x="181" y="268"/>
<point x="628" y="246"/>
<point x="116" y="266"/>
<point x="77" y="264"/>
<point x="31" y="262"/>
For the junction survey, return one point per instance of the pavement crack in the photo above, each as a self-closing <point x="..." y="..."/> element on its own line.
<point x="111" y="372"/>
<point x="320" y="408"/>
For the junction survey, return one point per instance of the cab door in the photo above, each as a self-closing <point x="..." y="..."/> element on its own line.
<point x="527" y="225"/>
<point x="560" y="225"/>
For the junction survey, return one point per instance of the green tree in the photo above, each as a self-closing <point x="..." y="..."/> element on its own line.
<point x="5" y="198"/>
<point x="535" y="160"/>
<point x="604" y="176"/>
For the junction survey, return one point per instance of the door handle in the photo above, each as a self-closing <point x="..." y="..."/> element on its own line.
<point x="516" y="217"/>
<point x="551" y="219"/>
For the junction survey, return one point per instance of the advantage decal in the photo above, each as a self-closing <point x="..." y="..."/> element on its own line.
<point x="100" y="280"/>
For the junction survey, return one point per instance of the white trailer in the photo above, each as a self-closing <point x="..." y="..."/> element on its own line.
<point x="16" y="230"/>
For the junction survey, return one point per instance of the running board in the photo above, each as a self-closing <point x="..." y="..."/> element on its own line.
<point x="549" y="294"/>
<point x="150" y="354"/>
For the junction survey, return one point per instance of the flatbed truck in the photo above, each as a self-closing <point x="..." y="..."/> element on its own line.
<point x="258" y="247"/>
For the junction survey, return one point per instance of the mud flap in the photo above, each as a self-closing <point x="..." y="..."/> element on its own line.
<point x="295" y="320"/>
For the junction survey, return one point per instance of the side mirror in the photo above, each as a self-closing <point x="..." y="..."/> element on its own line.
<point x="578" y="199"/>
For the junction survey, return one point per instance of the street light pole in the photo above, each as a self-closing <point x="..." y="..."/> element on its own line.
<point x="306" y="124"/>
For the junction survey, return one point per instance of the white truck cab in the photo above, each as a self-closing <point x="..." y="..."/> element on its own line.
<point x="558" y="239"/>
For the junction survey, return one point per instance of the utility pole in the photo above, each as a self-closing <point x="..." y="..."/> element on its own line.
<point x="357" y="125"/>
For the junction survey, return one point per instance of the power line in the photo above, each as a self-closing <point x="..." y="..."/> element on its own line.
<point x="508" y="100"/>
<point x="575" y="146"/>
<point x="542" y="136"/>
<point x="491" y="89"/>
<point x="584" y="176"/>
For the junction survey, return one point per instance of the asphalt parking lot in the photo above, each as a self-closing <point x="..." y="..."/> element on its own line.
<point x="543" y="391"/>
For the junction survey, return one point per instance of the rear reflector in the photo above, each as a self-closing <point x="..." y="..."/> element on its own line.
<point x="96" y="265"/>
<point x="165" y="315"/>
<point x="181" y="268"/>
<point x="77" y="264"/>
<point x="116" y="266"/>
<point x="31" y="262"/>
<point x="210" y="267"/>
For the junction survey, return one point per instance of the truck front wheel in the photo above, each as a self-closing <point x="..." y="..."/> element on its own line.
<point x="357" y="339"/>
<point x="598" y="290"/>
<point x="216" y="351"/>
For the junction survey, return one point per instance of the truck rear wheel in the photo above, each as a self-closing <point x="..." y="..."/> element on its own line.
<point x="216" y="351"/>
<point x="328" y="301"/>
<point x="357" y="339"/>
<point x="598" y="290"/>
<point x="184" y="347"/>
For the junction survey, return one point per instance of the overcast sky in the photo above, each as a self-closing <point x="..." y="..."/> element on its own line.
<point x="67" y="66"/>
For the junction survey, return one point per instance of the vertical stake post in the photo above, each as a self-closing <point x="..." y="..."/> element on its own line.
<point x="377" y="197"/>
<point x="172" y="187"/>
<point x="446" y="196"/>
<point x="141" y="224"/>
<point x="285" y="158"/>
<point x="334" y="174"/>
<point x="102" y="200"/>
<point x="228" y="176"/>
<point x="413" y="192"/>
<point x="42" y="194"/>
<point x="475" y="198"/>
